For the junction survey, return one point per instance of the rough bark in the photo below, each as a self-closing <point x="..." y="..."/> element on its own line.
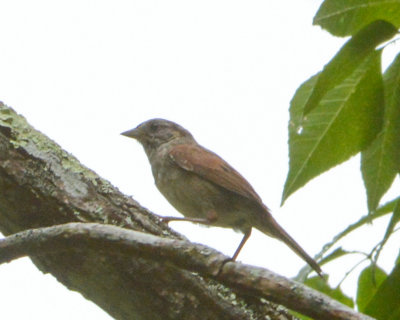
<point x="42" y="185"/>
<point x="209" y="263"/>
<point x="131" y="275"/>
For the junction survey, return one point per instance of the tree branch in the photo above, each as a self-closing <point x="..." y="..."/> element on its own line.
<point x="207" y="262"/>
<point x="104" y="238"/>
<point x="41" y="185"/>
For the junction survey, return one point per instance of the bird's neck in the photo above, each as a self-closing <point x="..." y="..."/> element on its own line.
<point x="161" y="151"/>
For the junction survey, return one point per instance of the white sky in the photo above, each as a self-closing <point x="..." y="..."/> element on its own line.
<point x="83" y="71"/>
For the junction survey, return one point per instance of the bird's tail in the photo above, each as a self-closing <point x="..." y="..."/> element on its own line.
<point x="269" y="226"/>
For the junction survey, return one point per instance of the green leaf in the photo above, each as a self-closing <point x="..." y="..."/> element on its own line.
<point x="299" y="315"/>
<point x="368" y="218"/>
<point x="336" y="293"/>
<point x="386" y="208"/>
<point x="390" y="228"/>
<point x="337" y="253"/>
<point x="345" y="17"/>
<point x="380" y="162"/>
<point x="368" y="282"/>
<point x="385" y="303"/>
<point x="306" y="270"/>
<point x="345" y="122"/>
<point x="395" y="315"/>
<point x="349" y="57"/>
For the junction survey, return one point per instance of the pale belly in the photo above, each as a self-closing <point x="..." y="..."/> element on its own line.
<point x="195" y="197"/>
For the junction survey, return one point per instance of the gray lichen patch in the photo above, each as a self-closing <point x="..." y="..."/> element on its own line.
<point x="69" y="170"/>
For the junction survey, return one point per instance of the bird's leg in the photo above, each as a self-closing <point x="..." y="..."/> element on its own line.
<point x="235" y="255"/>
<point x="245" y="237"/>
<point x="211" y="217"/>
<point x="196" y="220"/>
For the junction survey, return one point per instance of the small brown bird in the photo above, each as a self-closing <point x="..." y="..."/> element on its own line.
<point x="205" y="188"/>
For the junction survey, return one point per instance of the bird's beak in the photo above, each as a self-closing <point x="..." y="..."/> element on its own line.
<point x="133" y="133"/>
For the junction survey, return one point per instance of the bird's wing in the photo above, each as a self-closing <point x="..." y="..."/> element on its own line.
<point x="211" y="167"/>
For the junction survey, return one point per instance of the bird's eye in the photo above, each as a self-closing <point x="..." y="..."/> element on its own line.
<point x="154" y="127"/>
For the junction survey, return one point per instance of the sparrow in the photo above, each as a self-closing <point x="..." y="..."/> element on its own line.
<point x="203" y="187"/>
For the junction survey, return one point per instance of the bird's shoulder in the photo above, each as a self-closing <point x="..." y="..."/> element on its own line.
<point x="207" y="164"/>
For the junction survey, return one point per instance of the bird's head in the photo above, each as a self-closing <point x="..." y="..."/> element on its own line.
<point x="155" y="132"/>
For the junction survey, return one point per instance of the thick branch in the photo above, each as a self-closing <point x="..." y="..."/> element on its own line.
<point x="42" y="185"/>
<point x="251" y="280"/>
<point x="104" y="238"/>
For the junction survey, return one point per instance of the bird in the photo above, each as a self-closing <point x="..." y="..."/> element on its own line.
<point x="204" y="188"/>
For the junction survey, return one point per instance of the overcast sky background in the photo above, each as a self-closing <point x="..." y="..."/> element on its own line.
<point x="83" y="71"/>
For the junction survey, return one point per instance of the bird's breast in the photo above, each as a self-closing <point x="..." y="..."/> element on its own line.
<point x="184" y="190"/>
<point x="196" y="197"/>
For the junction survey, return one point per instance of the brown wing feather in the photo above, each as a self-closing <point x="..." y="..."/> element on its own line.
<point x="208" y="165"/>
